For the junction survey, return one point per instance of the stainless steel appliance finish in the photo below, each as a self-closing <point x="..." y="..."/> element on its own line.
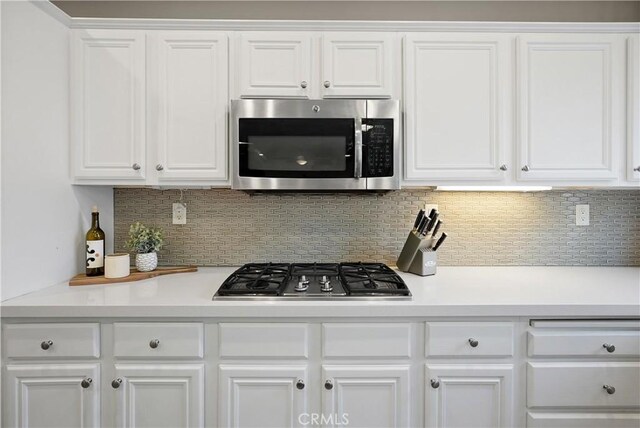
<point x="313" y="281"/>
<point x="370" y="131"/>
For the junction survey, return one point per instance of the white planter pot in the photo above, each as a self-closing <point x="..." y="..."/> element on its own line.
<point x="146" y="262"/>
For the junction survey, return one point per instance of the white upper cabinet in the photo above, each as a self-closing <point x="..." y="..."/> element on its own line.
<point x="187" y="104"/>
<point x="571" y="112"/>
<point x="273" y="64"/>
<point x="108" y="105"/>
<point x="282" y="64"/>
<point x="359" y="65"/>
<point x="457" y="105"/>
<point x="633" y="106"/>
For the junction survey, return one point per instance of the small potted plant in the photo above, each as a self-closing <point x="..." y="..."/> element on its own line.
<point x="145" y="242"/>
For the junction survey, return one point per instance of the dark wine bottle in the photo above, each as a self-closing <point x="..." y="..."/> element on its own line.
<point x="95" y="246"/>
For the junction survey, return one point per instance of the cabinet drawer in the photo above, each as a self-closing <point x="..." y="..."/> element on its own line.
<point x="52" y="340"/>
<point x="153" y="340"/>
<point x="491" y="339"/>
<point x="583" y="420"/>
<point x="589" y="343"/>
<point x="366" y="340"/>
<point x="242" y="340"/>
<point x="582" y="384"/>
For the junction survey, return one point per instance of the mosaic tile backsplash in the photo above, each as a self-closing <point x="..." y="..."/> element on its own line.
<point x="230" y="228"/>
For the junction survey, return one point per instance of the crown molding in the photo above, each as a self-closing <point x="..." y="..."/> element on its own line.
<point x="52" y="10"/>
<point x="405" y="26"/>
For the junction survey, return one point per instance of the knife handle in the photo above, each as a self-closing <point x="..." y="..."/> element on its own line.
<point x="437" y="228"/>
<point x="432" y="222"/>
<point x="440" y="241"/>
<point x="418" y="219"/>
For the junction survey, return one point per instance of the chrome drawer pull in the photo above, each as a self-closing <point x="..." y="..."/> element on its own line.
<point x="328" y="385"/>
<point x="46" y="344"/>
<point x="609" y="348"/>
<point x="610" y="389"/>
<point x="154" y="343"/>
<point x="473" y="342"/>
<point x="86" y="382"/>
<point x="116" y="383"/>
<point x="300" y="384"/>
<point x="435" y="384"/>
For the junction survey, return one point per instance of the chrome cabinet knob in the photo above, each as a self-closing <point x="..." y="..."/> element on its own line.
<point x="135" y="167"/>
<point x="154" y="343"/>
<point x="610" y="348"/>
<point x="116" y="383"/>
<point x="159" y="167"/>
<point x="503" y="167"/>
<point x="525" y="168"/>
<point x="300" y="384"/>
<point x="303" y="84"/>
<point x="46" y="344"/>
<point x="327" y="84"/>
<point x="637" y="169"/>
<point x="610" y="389"/>
<point x="328" y="385"/>
<point x="435" y="383"/>
<point x="473" y="342"/>
<point x="86" y="382"/>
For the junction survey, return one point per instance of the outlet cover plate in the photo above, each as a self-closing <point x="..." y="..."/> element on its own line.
<point x="179" y="213"/>
<point x="582" y="215"/>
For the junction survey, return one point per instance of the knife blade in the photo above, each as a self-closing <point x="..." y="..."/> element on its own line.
<point x="440" y="241"/>
<point x="418" y="219"/>
<point x="433" y="221"/>
<point x="437" y="228"/>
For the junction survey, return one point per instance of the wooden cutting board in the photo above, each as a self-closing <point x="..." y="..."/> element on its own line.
<point x="83" y="279"/>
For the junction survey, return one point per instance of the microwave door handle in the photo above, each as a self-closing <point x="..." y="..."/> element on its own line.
<point x="358" y="148"/>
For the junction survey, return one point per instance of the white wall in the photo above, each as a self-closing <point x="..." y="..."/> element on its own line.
<point x="43" y="217"/>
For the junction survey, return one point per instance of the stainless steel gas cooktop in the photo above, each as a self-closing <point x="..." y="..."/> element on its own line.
<point x="311" y="281"/>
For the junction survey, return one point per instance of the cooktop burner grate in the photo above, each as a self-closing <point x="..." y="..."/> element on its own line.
<point x="312" y="269"/>
<point x="372" y="278"/>
<point x="256" y="278"/>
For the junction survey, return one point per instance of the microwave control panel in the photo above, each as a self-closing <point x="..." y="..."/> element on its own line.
<point x="377" y="147"/>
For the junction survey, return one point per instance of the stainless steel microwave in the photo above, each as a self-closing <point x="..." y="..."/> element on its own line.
<point x="315" y="144"/>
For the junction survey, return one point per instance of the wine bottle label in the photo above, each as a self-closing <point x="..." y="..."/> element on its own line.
<point x="95" y="254"/>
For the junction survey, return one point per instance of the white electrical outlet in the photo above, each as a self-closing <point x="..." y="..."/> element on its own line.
<point x="429" y="207"/>
<point x="582" y="215"/>
<point x="179" y="213"/>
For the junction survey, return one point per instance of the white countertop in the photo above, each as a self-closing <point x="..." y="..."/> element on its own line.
<point x="454" y="291"/>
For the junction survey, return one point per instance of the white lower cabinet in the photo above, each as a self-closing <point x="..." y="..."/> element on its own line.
<point x="366" y="396"/>
<point x="469" y="395"/>
<point x="262" y="396"/>
<point x="159" y="395"/>
<point x="52" y="395"/>
<point x="583" y="420"/>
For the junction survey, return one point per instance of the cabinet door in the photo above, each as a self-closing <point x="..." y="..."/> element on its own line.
<point x="571" y="95"/>
<point x="633" y="108"/>
<point x="469" y="396"/>
<point x="52" y="395"/>
<point x="366" y="396"/>
<point x="457" y="95"/>
<point x="159" y="395"/>
<point x="359" y="65"/>
<point x="262" y="396"/>
<point x="108" y="105"/>
<point x="274" y="64"/>
<point x="188" y="99"/>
